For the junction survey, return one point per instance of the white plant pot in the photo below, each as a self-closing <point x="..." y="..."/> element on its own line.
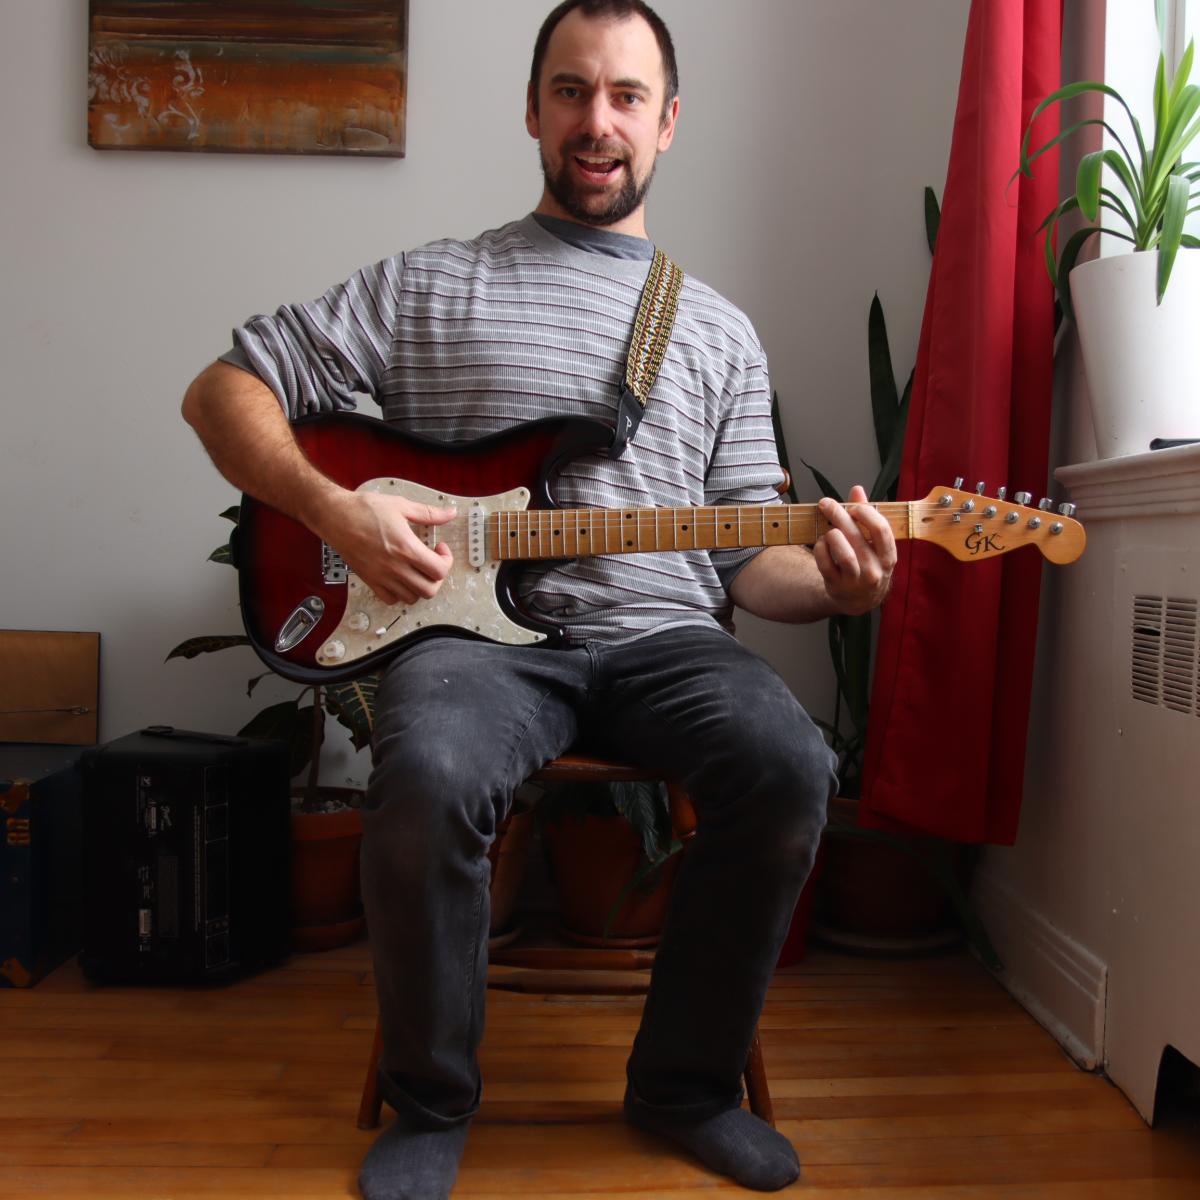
<point x="1141" y="360"/>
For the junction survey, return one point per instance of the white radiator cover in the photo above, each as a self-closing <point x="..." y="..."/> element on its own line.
<point x="1096" y="910"/>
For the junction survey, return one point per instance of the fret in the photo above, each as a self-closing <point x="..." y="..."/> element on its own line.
<point x="660" y="515"/>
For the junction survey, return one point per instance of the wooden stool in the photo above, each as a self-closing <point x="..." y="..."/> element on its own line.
<point x="537" y="962"/>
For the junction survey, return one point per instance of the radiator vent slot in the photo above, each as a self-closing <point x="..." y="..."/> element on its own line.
<point x="1164" y="653"/>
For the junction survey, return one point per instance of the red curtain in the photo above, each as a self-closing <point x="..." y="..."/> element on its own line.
<point x="950" y="702"/>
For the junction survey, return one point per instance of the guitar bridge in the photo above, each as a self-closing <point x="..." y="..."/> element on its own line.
<point x="333" y="566"/>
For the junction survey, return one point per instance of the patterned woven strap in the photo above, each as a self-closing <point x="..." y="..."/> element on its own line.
<point x="651" y="335"/>
<point x="652" y="329"/>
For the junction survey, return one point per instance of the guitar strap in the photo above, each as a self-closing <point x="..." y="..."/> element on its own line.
<point x="651" y="334"/>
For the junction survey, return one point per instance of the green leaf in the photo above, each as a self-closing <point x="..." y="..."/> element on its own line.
<point x="884" y="397"/>
<point x="288" y="722"/>
<point x="1087" y="184"/>
<point x="1160" y="96"/>
<point x="251" y="684"/>
<point x="643" y="877"/>
<point x="827" y="488"/>
<point x="1066" y="263"/>
<point x="1192" y="243"/>
<point x="1183" y="71"/>
<point x="1174" y="214"/>
<point x="854" y="636"/>
<point x="222" y="554"/>
<point x="933" y="218"/>
<point x="206" y="645"/>
<point x="884" y="487"/>
<point x="353" y="705"/>
<point x="644" y="805"/>
<point x="232" y="513"/>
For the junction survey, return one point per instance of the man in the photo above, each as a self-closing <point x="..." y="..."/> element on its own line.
<point x="457" y="340"/>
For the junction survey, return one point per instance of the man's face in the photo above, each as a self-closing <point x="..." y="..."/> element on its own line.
<point x="599" y="119"/>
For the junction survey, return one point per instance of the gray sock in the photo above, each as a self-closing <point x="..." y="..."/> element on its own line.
<point x="735" y="1143"/>
<point x="412" y="1164"/>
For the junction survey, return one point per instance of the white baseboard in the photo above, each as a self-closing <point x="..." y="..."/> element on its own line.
<point x="1060" y="982"/>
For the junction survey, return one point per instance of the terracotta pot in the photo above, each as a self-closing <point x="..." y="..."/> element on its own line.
<point x="326" y="900"/>
<point x="507" y="856"/>
<point x="875" y="898"/>
<point x="593" y="859"/>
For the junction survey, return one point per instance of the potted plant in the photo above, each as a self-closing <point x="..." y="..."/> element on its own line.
<point x="613" y="857"/>
<point x="880" y="890"/>
<point x="326" y="823"/>
<point x="1135" y="331"/>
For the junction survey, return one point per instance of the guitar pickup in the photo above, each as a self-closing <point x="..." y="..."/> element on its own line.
<point x="333" y="566"/>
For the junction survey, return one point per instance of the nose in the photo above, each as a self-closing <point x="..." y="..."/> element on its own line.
<point x="597" y="119"/>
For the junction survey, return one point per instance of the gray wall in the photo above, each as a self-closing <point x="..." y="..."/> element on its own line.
<point x="808" y="130"/>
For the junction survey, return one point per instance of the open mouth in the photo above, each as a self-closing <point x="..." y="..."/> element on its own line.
<point x="596" y="167"/>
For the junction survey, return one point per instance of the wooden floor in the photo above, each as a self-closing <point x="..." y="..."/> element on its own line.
<point x="918" y="1079"/>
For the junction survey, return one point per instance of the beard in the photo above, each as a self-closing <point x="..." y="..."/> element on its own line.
<point x="580" y="201"/>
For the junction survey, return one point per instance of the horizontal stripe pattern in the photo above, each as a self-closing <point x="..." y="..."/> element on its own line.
<point x="461" y="339"/>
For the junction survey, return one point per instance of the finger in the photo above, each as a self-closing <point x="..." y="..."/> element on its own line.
<point x="843" y="555"/>
<point x="431" y="562"/>
<point x="841" y="521"/>
<point x="428" y="514"/>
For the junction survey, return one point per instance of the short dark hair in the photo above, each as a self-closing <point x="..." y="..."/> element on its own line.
<point x="618" y="10"/>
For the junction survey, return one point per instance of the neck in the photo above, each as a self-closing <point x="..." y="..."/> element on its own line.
<point x="633" y="225"/>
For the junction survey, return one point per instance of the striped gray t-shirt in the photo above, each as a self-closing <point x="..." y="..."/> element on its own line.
<point x="460" y="339"/>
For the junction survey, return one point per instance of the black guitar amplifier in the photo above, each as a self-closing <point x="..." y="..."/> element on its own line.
<point x="186" y="856"/>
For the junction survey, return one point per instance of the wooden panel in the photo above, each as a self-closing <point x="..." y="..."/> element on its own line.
<point x="271" y="76"/>
<point x="49" y="687"/>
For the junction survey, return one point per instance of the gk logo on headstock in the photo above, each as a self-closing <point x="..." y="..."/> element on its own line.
<point x="982" y="543"/>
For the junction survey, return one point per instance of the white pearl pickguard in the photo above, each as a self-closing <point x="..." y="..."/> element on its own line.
<point x="466" y="600"/>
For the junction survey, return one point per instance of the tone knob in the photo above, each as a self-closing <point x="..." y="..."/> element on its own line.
<point x="359" y="622"/>
<point x="334" y="649"/>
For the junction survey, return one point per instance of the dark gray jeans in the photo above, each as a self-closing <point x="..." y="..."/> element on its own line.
<point x="461" y="724"/>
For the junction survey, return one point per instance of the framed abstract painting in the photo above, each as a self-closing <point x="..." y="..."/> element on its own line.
<point x="262" y="77"/>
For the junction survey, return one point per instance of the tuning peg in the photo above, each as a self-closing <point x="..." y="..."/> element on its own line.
<point x="979" y="488"/>
<point x="1067" y="510"/>
<point x="958" y="481"/>
<point x="1045" y="504"/>
<point x="1022" y="497"/>
<point x="1002" y="493"/>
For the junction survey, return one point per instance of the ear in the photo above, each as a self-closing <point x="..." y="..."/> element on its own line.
<point x="666" y="132"/>
<point x="531" y="116"/>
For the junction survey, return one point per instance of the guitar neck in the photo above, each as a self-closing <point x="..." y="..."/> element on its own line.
<point x="574" y="533"/>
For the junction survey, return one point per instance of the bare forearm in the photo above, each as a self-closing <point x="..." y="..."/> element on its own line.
<point x="249" y="439"/>
<point x="782" y="584"/>
<point x="849" y="570"/>
<point x="247" y="435"/>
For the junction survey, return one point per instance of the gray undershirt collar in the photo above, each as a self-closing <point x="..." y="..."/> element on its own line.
<point x="596" y="241"/>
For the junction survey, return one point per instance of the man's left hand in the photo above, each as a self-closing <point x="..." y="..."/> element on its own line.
<point x="856" y="555"/>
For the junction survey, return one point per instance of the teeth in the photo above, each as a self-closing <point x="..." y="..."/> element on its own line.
<point x="599" y="161"/>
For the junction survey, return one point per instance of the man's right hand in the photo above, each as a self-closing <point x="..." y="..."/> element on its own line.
<point x="374" y="535"/>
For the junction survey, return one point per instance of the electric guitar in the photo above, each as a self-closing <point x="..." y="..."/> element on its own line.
<point x="311" y="619"/>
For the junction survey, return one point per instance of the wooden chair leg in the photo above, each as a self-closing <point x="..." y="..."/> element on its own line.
<point x="371" y="1104"/>
<point x="756" y="1084"/>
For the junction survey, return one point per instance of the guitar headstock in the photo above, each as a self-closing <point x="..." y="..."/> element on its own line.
<point x="973" y="527"/>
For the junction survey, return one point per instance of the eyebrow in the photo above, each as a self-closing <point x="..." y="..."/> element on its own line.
<point x="635" y="85"/>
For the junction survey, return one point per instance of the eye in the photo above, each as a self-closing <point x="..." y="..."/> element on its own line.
<point x="567" y="92"/>
<point x="631" y="98"/>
